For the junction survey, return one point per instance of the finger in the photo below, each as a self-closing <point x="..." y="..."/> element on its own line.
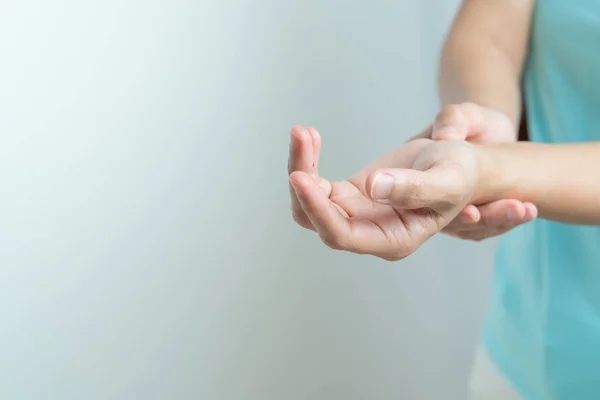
<point x="412" y="189"/>
<point x="458" y="122"/>
<point x="332" y="226"/>
<point x="481" y="232"/>
<point x="426" y="134"/>
<point x="341" y="232"/>
<point x="502" y="214"/>
<point x="301" y="151"/>
<point x="520" y="213"/>
<point x="477" y="235"/>
<point x="470" y="214"/>
<point x="316" y="143"/>
<point x="498" y="217"/>
<point x="515" y="214"/>
<point x="325" y="186"/>
<point x="467" y="219"/>
<point x="531" y="212"/>
<point x="301" y="158"/>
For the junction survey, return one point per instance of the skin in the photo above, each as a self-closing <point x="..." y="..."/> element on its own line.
<point x="477" y="123"/>
<point x="481" y="63"/>
<point x="394" y="205"/>
<point x="561" y="179"/>
<point x="347" y="217"/>
<point x="479" y="77"/>
<point x="483" y="56"/>
<point x="480" y="125"/>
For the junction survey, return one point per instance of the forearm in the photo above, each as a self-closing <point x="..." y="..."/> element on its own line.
<point x="484" y="53"/>
<point x="562" y="180"/>
<point x="473" y="69"/>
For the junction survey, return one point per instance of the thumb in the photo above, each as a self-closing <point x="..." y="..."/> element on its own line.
<point x="438" y="188"/>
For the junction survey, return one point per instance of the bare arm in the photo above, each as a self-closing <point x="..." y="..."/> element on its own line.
<point x="562" y="180"/>
<point x="484" y="53"/>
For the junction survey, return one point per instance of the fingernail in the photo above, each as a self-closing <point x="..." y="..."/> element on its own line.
<point x="382" y="187"/>
<point x="444" y="130"/>
<point x="467" y="219"/>
<point x="300" y="133"/>
<point x="512" y="215"/>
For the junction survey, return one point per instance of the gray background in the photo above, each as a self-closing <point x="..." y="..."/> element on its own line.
<point x="146" y="245"/>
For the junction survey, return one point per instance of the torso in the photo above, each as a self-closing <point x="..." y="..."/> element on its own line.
<point x="543" y="327"/>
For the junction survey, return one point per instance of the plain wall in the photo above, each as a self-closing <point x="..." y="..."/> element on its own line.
<point x="146" y="245"/>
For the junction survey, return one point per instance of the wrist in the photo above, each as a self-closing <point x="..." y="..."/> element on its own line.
<point x="494" y="179"/>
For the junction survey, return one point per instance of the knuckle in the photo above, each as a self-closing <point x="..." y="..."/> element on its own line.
<point x="450" y="114"/>
<point x="333" y="242"/>
<point x="411" y="196"/>
<point x="301" y="219"/>
<point x="495" y="222"/>
<point x="411" y="201"/>
<point x="409" y="249"/>
<point x="392" y="258"/>
<point x="397" y="255"/>
<point x="470" y="106"/>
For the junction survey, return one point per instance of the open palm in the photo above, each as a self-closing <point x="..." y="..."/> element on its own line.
<point x="436" y="179"/>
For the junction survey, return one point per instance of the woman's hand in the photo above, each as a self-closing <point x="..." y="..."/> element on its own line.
<point x="481" y="125"/>
<point x="391" y="207"/>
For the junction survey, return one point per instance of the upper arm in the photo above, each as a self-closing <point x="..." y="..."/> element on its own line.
<point x="505" y="23"/>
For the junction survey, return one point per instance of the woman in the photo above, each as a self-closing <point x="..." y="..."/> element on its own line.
<point x="541" y="337"/>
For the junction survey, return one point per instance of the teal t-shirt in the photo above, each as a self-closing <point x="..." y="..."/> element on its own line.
<point x="543" y="325"/>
